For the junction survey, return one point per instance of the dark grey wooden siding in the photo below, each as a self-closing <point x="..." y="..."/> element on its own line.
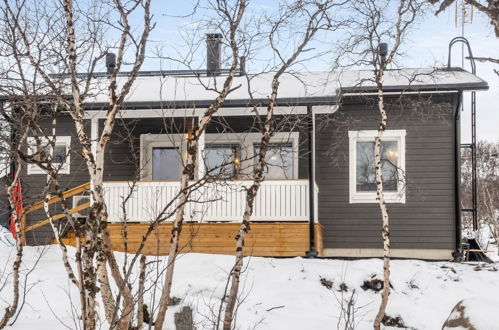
<point x="426" y="220"/>
<point x="33" y="184"/>
<point x="122" y="157"/>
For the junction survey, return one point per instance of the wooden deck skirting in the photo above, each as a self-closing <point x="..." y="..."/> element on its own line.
<point x="269" y="239"/>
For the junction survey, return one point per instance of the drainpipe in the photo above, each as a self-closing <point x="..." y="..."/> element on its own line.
<point x="312" y="253"/>
<point x="458" y="252"/>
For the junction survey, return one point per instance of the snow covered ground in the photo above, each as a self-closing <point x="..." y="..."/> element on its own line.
<point x="280" y="293"/>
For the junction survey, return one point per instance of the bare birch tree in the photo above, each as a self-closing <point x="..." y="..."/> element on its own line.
<point x="16" y="217"/>
<point x="66" y="39"/>
<point x="378" y="30"/>
<point x="233" y="14"/>
<point x="318" y="18"/>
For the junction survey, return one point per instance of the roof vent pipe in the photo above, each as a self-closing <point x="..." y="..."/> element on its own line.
<point x="383" y="52"/>
<point x="242" y="66"/>
<point x="213" y="53"/>
<point x="110" y="62"/>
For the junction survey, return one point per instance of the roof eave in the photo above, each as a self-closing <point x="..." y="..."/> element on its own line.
<point x="287" y="102"/>
<point x="480" y="86"/>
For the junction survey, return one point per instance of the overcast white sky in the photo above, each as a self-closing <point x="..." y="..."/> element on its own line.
<point x="428" y="45"/>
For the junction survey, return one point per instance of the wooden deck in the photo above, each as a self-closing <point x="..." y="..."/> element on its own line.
<point x="276" y="239"/>
<point x="279" y="225"/>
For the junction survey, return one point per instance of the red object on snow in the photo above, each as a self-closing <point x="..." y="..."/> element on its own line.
<point x="19" y="205"/>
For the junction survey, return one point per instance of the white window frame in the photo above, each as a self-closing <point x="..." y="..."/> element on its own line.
<point x="369" y="136"/>
<point x="245" y="140"/>
<point x="66" y="166"/>
<point x="150" y="141"/>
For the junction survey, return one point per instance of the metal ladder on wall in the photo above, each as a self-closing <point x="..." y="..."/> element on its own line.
<point x="472" y="249"/>
<point x="471" y="146"/>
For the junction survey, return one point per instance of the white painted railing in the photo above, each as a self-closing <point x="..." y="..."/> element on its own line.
<point x="277" y="200"/>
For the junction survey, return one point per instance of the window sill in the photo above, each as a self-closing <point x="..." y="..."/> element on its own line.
<point x="33" y="169"/>
<point x="370" y="198"/>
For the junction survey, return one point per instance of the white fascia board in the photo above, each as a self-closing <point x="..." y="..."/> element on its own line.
<point x="324" y="109"/>
<point x="166" y="113"/>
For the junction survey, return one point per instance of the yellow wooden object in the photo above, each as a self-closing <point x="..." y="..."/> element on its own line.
<point x="276" y="239"/>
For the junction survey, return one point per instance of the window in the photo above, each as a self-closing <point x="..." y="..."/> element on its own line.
<point x="59" y="154"/>
<point x="222" y="160"/>
<point x="165" y="163"/>
<point x="365" y="178"/>
<point x="226" y="155"/>
<point x="161" y="156"/>
<point x="362" y="166"/>
<point x="279" y="160"/>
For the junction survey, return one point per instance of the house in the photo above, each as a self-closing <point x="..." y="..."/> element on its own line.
<point x="319" y="193"/>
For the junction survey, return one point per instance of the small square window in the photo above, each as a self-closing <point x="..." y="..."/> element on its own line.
<point x="362" y="166"/>
<point x="59" y="154"/>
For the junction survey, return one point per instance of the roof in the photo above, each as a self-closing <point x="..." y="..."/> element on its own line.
<point x="297" y="88"/>
<point x="160" y="90"/>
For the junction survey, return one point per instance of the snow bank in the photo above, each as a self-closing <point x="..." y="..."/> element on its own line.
<point x="6" y="238"/>
<point x="279" y="293"/>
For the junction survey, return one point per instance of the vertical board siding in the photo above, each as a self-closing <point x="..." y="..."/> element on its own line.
<point x="212" y="202"/>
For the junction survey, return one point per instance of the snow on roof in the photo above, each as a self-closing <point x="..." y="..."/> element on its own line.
<point x="296" y="86"/>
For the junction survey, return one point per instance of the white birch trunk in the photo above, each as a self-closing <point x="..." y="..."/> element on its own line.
<point x="385" y="233"/>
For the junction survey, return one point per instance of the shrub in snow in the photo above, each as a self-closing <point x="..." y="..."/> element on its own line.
<point x="395" y="322"/>
<point x="373" y="284"/>
<point x="327" y="283"/>
<point x="343" y="287"/>
<point x="174" y="301"/>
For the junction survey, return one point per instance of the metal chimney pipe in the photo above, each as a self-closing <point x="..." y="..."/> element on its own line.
<point x="110" y="62"/>
<point x="213" y="53"/>
<point x="383" y="52"/>
<point x="242" y="66"/>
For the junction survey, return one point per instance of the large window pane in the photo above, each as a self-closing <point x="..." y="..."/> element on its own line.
<point x="366" y="176"/>
<point x="279" y="161"/>
<point x="221" y="160"/>
<point x="59" y="154"/>
<point x="165" y="163"/>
